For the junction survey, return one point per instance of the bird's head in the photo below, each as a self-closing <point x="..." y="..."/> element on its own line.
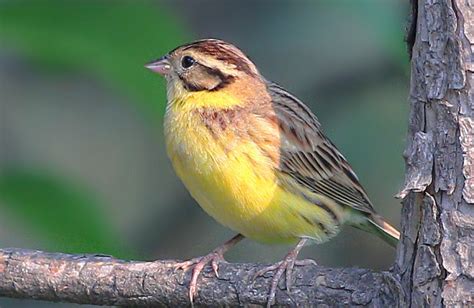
<point x="207" y="66"/>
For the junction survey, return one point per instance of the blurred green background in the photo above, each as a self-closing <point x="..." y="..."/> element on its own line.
<point x="82" y="160"/>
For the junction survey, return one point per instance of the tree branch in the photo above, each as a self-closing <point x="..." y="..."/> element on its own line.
<point x="103" y="280"/>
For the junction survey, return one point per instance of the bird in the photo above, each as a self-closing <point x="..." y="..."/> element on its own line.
<point x="256" y="159"/>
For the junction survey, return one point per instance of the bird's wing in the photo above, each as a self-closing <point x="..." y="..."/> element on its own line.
<point x="311" y="159"/>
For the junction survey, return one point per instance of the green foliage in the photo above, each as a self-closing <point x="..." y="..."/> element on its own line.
<point x="58" y="210"/>
<point x="110" y="40"/>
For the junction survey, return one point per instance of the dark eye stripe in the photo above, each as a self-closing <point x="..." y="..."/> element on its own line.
<point x="224" y="80"/>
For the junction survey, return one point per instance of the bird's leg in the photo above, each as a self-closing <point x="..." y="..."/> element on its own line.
<point x="286" y="265"/>
<point x="214" y="257"/>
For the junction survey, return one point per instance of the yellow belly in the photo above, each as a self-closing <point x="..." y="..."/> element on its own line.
<point x="236" y="184"/>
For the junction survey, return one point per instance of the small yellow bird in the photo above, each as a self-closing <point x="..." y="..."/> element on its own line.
<point x="255" y="158"/>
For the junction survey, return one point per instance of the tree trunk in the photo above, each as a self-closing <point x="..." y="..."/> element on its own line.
<point x="435" y="260"/>
<point x="435" y="257"/>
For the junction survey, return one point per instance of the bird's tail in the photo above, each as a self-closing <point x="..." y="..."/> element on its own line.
<point x="379" y="226"/>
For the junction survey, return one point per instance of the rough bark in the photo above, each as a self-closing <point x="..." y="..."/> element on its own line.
<point x="435" y="258"/>
<point x="435" y="261"/>
<point x="102" y="280"/>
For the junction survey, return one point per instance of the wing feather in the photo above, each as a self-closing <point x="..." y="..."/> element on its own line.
<point x="309" y="158"/>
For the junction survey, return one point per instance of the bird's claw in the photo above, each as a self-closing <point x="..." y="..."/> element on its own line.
<point x="285" y="266"/>
<point x="198" y="265"/>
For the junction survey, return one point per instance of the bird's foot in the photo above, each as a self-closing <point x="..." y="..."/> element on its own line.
<point x="198" y="264"/>
<point x="285" y="266"/>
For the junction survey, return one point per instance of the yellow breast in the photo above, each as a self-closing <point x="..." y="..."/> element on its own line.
<point x="234" y="180"/>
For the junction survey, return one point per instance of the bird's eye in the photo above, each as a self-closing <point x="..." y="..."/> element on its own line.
<point x="187" y="61"/>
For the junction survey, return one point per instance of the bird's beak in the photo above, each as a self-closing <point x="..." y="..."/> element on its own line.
<point x="161" y="66"/>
